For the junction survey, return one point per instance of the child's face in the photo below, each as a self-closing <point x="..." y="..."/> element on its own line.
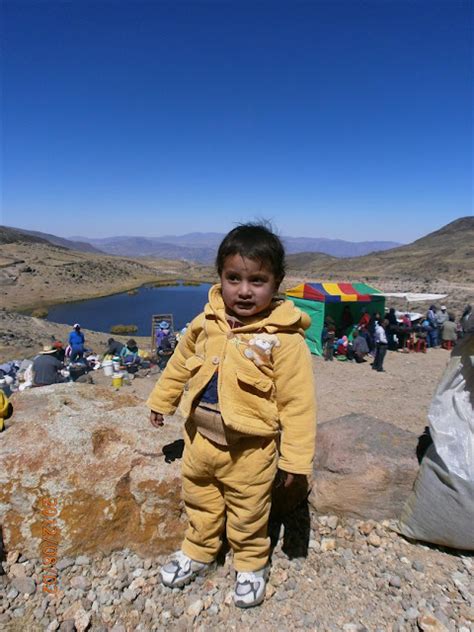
<point x="248" y="286"/>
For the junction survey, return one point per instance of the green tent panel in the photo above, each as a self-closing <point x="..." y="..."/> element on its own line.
<point x="319" y="300"/>
<point x="315" y="311"/>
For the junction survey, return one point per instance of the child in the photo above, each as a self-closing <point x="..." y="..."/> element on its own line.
<point x="243" y="375"/>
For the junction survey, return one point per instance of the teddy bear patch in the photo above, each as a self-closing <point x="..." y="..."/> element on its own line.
<point x="259" y="348"/>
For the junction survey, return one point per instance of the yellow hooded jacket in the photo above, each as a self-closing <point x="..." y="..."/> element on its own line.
<point x="265" y="379"/>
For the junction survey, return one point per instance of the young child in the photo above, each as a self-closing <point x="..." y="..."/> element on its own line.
<point x="243" y="376"/>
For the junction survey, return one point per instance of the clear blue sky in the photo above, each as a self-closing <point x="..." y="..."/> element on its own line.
<point x="348" y="119"/>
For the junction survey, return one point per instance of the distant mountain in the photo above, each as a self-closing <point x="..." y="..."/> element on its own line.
<point x="335" y="247"/>
<point x="445" y="253"/>
<point x="19" y="234"/>
<point x="10" y="235"/>
<point x="201" y="247"/>
<point x="152" y="247"/>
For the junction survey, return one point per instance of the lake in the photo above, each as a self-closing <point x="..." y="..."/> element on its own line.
<point x="100" y="314"/>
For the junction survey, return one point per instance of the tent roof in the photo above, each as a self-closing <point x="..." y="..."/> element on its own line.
<point x="334" y="292"/>
<point x="413" y="297"/>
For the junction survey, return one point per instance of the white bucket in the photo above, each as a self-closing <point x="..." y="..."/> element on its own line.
<point x="108" y="367"/>
<point x="116" y="363"/>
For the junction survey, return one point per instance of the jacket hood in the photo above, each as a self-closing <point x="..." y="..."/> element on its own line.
<point x="283" y="316"/>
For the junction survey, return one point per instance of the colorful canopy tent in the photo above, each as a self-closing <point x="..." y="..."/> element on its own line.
<point x="319" y="300"/>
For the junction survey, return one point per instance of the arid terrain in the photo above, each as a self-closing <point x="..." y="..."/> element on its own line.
<point x="35" y="274"/>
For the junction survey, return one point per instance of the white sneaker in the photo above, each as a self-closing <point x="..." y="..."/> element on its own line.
<point x="181" y="570"/>
<point x="250" y="588"/>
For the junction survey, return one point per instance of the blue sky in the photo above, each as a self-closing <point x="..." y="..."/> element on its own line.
<point x="349" y="119"/>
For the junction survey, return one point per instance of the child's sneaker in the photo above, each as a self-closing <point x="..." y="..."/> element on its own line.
<point x="250" y="588"/>
<point x="181" y="570"/>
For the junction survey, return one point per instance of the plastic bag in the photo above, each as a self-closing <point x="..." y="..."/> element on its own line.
<point x="441" y="507"/>
<point x="451" y="412"/>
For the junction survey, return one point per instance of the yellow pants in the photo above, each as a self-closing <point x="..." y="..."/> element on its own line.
<point x="228" y="487"/>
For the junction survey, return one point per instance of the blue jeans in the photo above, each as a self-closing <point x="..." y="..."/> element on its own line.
<point x="432" y="338"/>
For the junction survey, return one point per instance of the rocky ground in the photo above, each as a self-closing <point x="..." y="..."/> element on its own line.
<point x="355" y="576"/>
<point x="328" y="573"/>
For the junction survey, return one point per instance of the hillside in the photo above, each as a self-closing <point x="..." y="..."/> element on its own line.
<point x="8" y="234"/>
<point x="444" y="254"/>
<point x="13" y="235"/>
<point x="34" y="273"/>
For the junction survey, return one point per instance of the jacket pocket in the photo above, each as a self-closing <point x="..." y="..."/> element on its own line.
<point x="259" y="383"/>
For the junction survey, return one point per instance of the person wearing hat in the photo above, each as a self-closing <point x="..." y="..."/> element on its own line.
<point x="47" y="367"/>
<point x="164" y="343"/>
<point x="76" y="342"/>
<point x="449" y="334"/>
<point x="442" y="316"/>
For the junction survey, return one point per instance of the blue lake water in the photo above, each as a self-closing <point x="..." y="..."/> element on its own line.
<point x="100" y="314"/>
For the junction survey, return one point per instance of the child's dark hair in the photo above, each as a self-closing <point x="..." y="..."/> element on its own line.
<point x="256" y="242"/>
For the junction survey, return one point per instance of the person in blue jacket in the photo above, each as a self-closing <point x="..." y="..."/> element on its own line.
<point x="76" y="342"/>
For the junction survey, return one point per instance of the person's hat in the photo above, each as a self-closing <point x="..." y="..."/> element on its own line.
<point x="443" y="307"/>
<point x="77" y="326"/>
<point x="48" y="349"/>
<point x="164" y="324"/>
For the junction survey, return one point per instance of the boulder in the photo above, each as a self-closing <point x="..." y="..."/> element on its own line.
<point x="93" y="450"/>
<point x="364" y="468"/>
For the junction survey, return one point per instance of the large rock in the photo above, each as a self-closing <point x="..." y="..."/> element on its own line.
<point x="94" y="450"/>
<point x="364" y="468"/>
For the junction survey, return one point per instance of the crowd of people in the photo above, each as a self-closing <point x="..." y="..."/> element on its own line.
<point x="373" y="335"/>
<point x="57" y="363"/>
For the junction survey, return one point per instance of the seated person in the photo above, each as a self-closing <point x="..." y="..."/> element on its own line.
<point x="47" y="367"/>
<point x="60" y="350"/>
<point x="449" y="333"/>
<point x="342" y="344"/>
<point x="129" y="354"/>
<point x="114" y="347"/>
<point x="360" y="347"/>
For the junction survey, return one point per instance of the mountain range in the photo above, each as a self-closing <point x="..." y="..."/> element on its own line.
<point x="201" y="247"/>
<point x="443" y="253"/>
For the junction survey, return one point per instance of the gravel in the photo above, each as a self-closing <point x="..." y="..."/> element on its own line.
<point x="346" y="579"/>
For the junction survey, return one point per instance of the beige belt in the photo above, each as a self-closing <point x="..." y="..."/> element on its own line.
<point x="208" y="422"/>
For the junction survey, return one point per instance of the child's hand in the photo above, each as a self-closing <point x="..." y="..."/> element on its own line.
<point x="284" y="479"/>
<point x="156" y="419"/>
